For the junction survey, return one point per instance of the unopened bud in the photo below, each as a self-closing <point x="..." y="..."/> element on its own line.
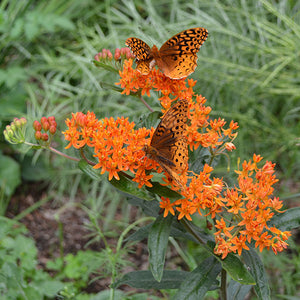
<point x="52" y="129"/>
<point x="38" y="135"/>
<point x="45" y="137"/>
<point x="37" y="125"/>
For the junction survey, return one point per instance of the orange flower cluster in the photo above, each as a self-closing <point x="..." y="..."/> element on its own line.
<point x="118" y="147"/>
<point x="199" y="195"/>
<point x="251" y="207"/>
<point x="212" y="134"/>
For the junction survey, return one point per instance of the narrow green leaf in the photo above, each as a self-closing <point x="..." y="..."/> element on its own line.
<point x="179" y="231"/>
<point x="37" y="147"/>
<point x="140" y="234"/>
<point x="237" y="291"/>
<point x="149" y="208"/>
<point x="257" y="270"/>
<point x="164" y="191"/>
<point x="145" y="280"/>
<point x="129" y="187"/>
<point x="157" y="245"/>
<point x="288" y="220"/>
<point x="233" y="265"/>
<point x="236" y="269"/>
<point x="111" y="87"/>
<point x="105" y="66"/>
<point x="89" y="170"/>
<point x="200" y="281"/>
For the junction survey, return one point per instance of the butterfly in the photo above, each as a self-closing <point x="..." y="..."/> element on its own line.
<point x="168" y="145"/>
<point x="177" y="57"/>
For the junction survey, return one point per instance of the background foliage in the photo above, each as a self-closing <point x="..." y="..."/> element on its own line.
<point x="248" y="69"/>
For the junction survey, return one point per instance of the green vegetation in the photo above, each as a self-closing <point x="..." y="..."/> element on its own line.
<point x="248" y="69"/>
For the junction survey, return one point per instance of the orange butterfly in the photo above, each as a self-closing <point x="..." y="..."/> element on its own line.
<point x="168" y="145"/>
<point x="177" y="57"/>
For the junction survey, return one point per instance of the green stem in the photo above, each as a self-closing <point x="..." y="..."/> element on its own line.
<point x="223" y="285"/>
<point x="188" y="227"/>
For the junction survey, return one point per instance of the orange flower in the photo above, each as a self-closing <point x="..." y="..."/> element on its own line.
<point x="167" y="206"/>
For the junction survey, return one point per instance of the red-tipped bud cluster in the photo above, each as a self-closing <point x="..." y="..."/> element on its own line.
<point x="105" y="54"/>
<point x="15" y="132"/>
<point x="123" y="53"/>
<point x="47" y="124"/>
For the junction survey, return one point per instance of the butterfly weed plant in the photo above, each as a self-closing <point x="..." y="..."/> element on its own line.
<point x="157" y="171"/>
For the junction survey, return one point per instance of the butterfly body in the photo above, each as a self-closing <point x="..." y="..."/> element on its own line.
<point x="168" y="145"/>
<point x="177" y="57"/>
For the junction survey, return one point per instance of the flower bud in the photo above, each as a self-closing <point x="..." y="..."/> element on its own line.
<point x="43" y="119"/>
<point x="52" y="129"/>
<point x="23" y="121"/>
<point x="51" y="119"/>
<point x="46" y="125"/>
<point x="38" y="135"/>
<point x="45" y="137"/>
<point x="117" y="54"/>
<point x="109" y="55"/>
<point x="230" y="146"/>
<point x="37" y="125"/>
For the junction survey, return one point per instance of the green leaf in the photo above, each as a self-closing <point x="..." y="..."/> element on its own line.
<point x="164" y="191"/>
<point x="288" y="220"/>
<point x="89" y="170"/>
<point x="145" y="280"/>
<point x="237" y="291"/>
<point x="200" y="281"/>
<point x="233" y="265"/>
<point x="257" y="270"/>
<point x="157" y="245"/>
<point x="10" y="175"/>
<point x="149" y="120"/>
<point x="140" y="234"/>
<point x="111" y="87"/>
<point x="50" y="288"/>
<point x="179" y="231"/>
<point x="106" y="67"/>
<point x="12" y="276"/>
<point x="129" y="187"/>
<point x="150" y="208"/>
<point x="104" y="295"/>
<point x="236" y="269"/>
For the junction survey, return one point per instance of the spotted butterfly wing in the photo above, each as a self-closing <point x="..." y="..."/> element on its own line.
<point x="168" y="145"/>
<point x="178" y="55"/>
<point x="142" y="53"/>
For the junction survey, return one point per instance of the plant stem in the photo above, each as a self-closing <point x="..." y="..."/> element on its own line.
<point x="223" y="285"/>
<point x="145" y="103"/>
<point x="53" y="150"/>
